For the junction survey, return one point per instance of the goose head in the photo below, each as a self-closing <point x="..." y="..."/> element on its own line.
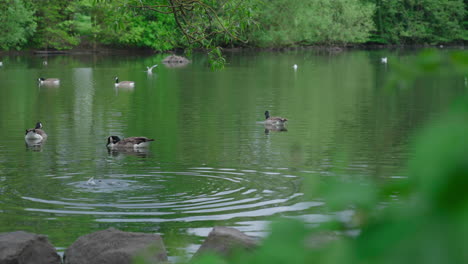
<point x="111" y="140"/>
<point x="38" y="125"/>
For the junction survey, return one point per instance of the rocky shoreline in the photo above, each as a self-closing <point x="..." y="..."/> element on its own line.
<point x="113" y="246"/>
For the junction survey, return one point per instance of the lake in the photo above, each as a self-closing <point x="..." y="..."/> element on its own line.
<point x="213" y="162"/>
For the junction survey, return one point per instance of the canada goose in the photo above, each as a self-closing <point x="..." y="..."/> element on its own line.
<point x="274" y="120"/>
<point x="49" y="81"/>
<point x="149" y="70"/>
<point x="114" y="142"/>
<point x="123" y="84"/>
<point x="383" y="60"/>
<point x="35" y="133"/>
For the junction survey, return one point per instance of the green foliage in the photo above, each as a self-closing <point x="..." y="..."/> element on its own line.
<point x="216" y="59"/>
<point x="16" y="24"/>
<point x="55" y="24"/>
<point x="221" y="23"/>
<point x="296" y="22"/>
<point x="83" y="24"/>
<point x="421" y="21"/>
<point x="164" y="25"/>
<point x="122" y="23"/>
<point x="132" y="28"/>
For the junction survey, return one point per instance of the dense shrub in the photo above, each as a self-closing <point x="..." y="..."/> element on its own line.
<point x="16" y="24"/>
<point x="421" y="21"/>
<point x="295" y="22"/>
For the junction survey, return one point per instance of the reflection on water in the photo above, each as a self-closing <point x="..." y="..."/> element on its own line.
<point x="137" y="152"/>
<point x="214" y="161"/>
<point x="274" y="128"/>
<point x="35" y="144"/>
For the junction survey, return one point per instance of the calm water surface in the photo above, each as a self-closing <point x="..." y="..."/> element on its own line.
<point x="213" y="161"/>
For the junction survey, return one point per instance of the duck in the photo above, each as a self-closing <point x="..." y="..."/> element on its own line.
<point x="36" y="133"/>
<point x="383" y="60"/>
<point x="149" y="70"/>
<point x="114" y="142"/>
<point x="274" y="120"/>
<point x="49" y="81"/>
<point x="124" y="84"/>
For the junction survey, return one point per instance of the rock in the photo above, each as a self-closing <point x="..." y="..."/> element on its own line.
<point x="112" y="246"/>
<point x="23" y="248"/>
<point x="224" y="241"/>
<point x="175" y="61"/>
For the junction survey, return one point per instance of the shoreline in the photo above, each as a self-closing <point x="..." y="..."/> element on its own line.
<point x="143" y="51"/>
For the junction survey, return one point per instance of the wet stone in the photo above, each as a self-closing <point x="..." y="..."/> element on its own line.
<point x="21" y="247"/>
<point x="225" y="241"/>
<point x="112" y="246"/>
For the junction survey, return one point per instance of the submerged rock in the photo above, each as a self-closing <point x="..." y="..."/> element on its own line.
<point x="26" y="248"/>
<point x="112" y="246"/>
<point x="224" y="241"/>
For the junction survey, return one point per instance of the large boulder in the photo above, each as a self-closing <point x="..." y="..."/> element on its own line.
<point x="225" y="241"/>
<point x="26" y="248"/>
<point x="112" y="246"/>
<point x="173" y="61"/>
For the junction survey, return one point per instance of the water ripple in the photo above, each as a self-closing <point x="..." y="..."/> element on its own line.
<point x="197" y="194"/>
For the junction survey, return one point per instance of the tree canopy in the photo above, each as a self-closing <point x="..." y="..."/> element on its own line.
<point x="168" y="24"/>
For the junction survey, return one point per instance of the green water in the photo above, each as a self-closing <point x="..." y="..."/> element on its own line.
<point x="213" y="162"/>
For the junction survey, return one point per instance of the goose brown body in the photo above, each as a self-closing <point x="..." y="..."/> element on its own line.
<point x="114" y="142"/>
<point x="124" y="84"/>
<point x="274" y="120"/>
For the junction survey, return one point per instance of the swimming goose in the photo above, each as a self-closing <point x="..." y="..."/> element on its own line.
<point x="274" y="120"/>
<point x="49" y="81"/>
<point x="114" y="142"/>
<point x="149" y="70"/>
<point x="123" y="84"/>
<point x="35" y="133"/>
